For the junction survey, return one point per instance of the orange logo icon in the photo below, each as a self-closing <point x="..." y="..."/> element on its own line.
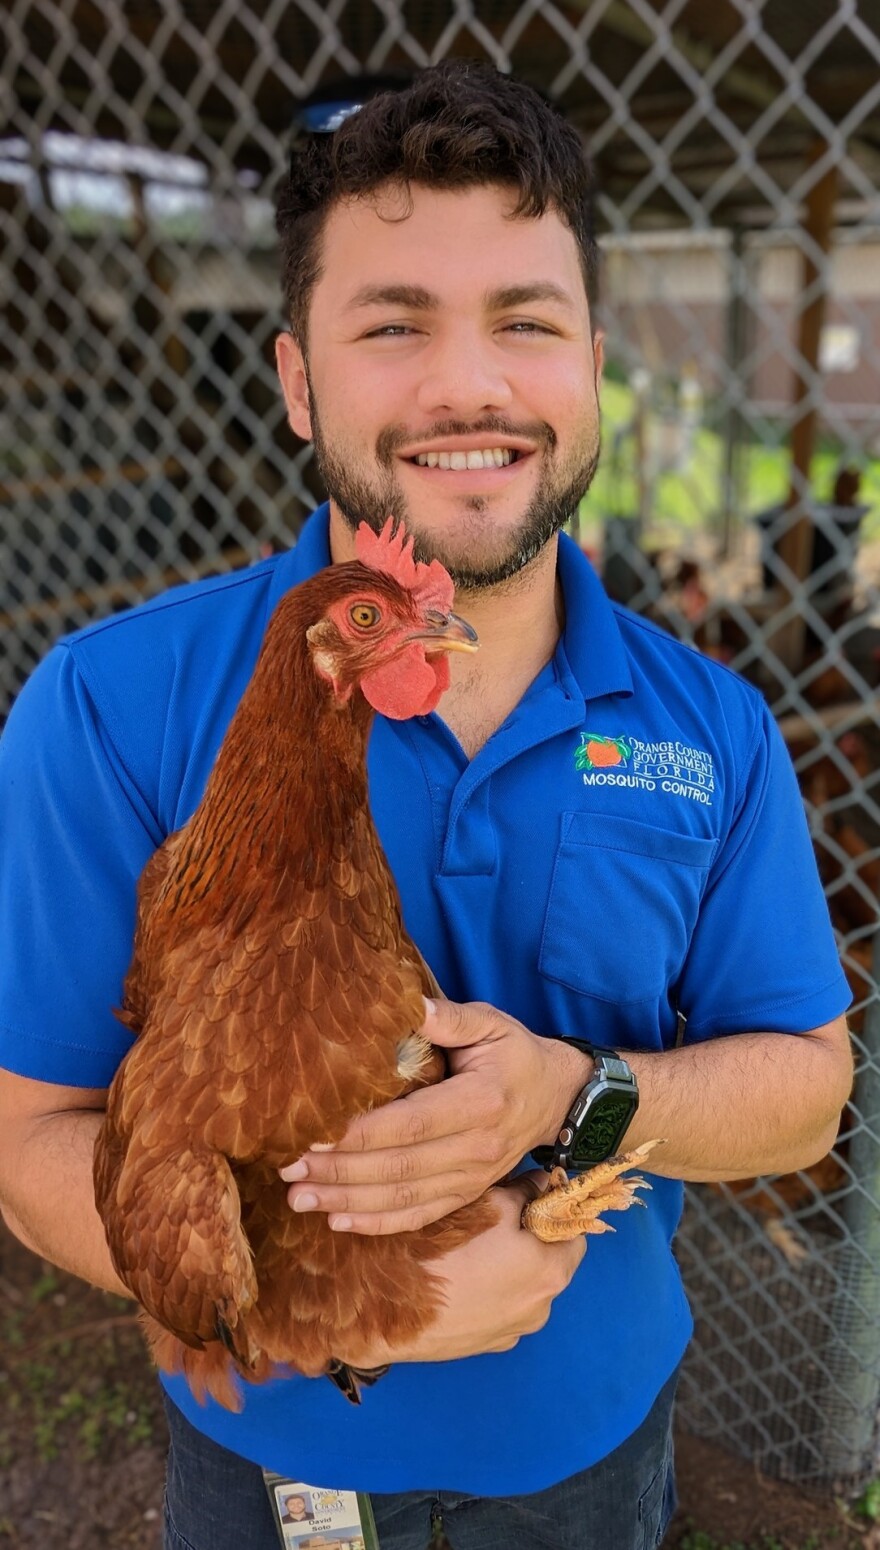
<point x="601" y="753"/>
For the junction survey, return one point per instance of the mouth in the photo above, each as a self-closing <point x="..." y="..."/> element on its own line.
<point x="458" y="461"/>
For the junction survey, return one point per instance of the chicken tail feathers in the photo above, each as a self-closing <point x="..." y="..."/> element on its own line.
<point x="349" y="1380"/>
<point x="240" y="1348"/>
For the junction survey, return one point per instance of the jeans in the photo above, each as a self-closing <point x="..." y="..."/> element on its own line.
<point x="215" y="1500"/>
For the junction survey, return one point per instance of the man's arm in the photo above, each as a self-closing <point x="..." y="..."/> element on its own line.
<point x="498" y="1287"/>
<point x="744" y="1104"/>
<point x="735" y="1106"/>
<point x="47" y="1142"/>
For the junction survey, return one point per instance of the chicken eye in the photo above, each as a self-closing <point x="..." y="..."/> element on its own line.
<point x="364" y="615"/>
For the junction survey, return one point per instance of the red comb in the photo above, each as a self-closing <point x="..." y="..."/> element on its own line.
<point x="392" y="553"/>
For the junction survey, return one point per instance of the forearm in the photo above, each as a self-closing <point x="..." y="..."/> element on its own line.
<point x="727" y="1109"/>
<point x="740" y="1105"/>
<point x="47" y="1197"/>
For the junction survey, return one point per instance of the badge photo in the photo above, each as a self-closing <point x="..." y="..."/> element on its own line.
<point x="311" y="1517"/>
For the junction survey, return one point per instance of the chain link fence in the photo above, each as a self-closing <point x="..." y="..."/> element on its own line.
<point x="143" y="441"/>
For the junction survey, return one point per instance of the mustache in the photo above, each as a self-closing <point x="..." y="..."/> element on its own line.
<point x="393" y="437"/>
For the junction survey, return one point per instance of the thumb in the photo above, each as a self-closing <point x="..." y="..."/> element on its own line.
<point x="456" y="1024"/>
<point x="530" y="1184"/>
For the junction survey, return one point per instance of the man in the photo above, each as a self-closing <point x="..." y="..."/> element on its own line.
<point x="599" y="836"/>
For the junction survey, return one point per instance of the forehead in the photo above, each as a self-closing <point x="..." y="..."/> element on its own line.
<point x="450" y="241"/>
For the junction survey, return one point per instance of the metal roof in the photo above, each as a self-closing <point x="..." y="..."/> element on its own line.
<point x="697" y="111"/>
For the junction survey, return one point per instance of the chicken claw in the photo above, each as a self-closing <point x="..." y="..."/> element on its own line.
<point x="572" y="1206"/>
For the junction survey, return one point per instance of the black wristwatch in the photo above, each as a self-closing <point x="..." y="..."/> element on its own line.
<point x="600" y="1116"/>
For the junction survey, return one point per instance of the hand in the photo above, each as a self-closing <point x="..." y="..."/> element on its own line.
<point x="422" y="1156"/>
<point x="498" y="1287"/>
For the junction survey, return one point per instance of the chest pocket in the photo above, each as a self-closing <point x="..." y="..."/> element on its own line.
<point x="623" y="905"/>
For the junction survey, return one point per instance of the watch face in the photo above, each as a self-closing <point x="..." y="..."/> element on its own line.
<point x="603" y="1129"/>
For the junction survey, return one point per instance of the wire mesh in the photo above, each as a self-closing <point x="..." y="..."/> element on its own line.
<point x="143" y="440"/>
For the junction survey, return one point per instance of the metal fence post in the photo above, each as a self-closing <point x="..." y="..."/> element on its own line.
<point x="854" y="1349"/>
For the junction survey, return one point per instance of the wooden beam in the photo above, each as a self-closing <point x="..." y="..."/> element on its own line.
<point x="87" y="479"/>
<point x="831" y="718"/>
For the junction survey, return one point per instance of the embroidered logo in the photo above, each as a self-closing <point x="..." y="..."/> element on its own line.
<point x="669" y="766"/>
<point x="600" y="753"/>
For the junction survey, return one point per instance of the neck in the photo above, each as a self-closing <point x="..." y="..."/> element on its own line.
<point x="289" y="782"/>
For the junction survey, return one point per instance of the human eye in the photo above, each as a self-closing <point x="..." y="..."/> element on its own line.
<point x="524" y="327"/>
<point x="390" y="331"/>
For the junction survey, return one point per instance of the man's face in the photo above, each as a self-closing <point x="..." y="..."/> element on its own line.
<point x="296" y="1506"/>
<point x="439" y="328"/>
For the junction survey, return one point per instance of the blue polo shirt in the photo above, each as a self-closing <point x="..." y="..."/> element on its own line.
<point x="628" y="846"/>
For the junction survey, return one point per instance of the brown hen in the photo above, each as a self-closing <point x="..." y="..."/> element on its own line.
<point x="275" y="996"/>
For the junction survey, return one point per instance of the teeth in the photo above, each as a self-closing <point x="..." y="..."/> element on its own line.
<point x="492" y="457"/>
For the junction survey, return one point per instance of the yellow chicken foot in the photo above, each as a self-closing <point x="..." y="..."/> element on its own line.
<point x="573" y="1206"/>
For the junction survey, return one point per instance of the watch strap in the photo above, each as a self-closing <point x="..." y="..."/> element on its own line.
<point x="588" y="1047"/>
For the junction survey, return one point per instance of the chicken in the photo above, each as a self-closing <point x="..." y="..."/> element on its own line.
<point x="275" y="996"/>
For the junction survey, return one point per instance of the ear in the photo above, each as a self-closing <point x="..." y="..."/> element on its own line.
<point x="321" y="638"/>
<point x="294" y="385"/>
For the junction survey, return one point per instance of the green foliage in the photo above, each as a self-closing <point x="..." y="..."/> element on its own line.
<point x="63" y="1394"/>
<point x="868" y="1504"/>
<point x="692" y="498"/>
<point x="698" y="1539"/>
<point x="42" y="1288"/>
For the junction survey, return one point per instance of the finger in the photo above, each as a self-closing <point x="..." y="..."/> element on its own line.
<point x="425" y="1115"/>
<point x="455" y="1024"/>
<point x="530" y="1185"/>
<point x="383" y="1223"/>
<point x="372" y="1199"/>
<point x="394" y="1165"/>
<point x="577" y="1248"/>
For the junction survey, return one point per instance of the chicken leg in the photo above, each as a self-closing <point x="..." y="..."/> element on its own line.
<point x="573" y="1206"/>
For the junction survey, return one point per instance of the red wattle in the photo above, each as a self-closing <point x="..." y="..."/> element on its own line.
<point x="409" y="685"/>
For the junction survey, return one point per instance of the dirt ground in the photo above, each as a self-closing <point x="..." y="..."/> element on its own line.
<point x="82" y="1439"/>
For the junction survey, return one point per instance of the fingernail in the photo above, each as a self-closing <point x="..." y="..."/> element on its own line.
<point x="306" y="1202"/>
<point x="323" y="1146"/>
<point x="430" y="1007"/>
<point x="295" y="1171"/>
<point x="340" y="1223"/>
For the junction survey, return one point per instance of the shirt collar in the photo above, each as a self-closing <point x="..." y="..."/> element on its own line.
<point x="310" y="553"/>
<point x="591" y="657"/>
<point x="591" y="650"/>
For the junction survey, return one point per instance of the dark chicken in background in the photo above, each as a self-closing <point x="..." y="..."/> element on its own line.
<point x="275" y="995"/>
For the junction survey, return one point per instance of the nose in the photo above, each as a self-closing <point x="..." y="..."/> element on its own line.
<point x="464" y="375"/>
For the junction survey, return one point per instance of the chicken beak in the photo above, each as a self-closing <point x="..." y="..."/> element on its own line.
<point x="446" y="632"/>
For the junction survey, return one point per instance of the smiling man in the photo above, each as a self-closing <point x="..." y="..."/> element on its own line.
<point x="481" y="428"/>
<point x="598" y="840"/>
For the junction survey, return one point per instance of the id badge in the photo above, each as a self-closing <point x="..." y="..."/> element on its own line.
<point x="317" y="1517"/>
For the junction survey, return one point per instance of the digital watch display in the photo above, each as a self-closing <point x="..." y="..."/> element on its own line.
<point x="599" y="1117"/>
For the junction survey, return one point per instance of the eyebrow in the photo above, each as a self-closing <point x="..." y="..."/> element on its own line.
<point x="416" y="299"/>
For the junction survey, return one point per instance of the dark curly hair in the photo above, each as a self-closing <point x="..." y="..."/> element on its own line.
<point x="459" y="124"/>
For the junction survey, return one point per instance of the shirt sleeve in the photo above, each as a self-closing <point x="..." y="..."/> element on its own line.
<point x="75" y="833"/>
<point x="763" y="956"/>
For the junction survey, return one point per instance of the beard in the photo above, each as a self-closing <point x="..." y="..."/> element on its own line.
<point x="562" y="485"/>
